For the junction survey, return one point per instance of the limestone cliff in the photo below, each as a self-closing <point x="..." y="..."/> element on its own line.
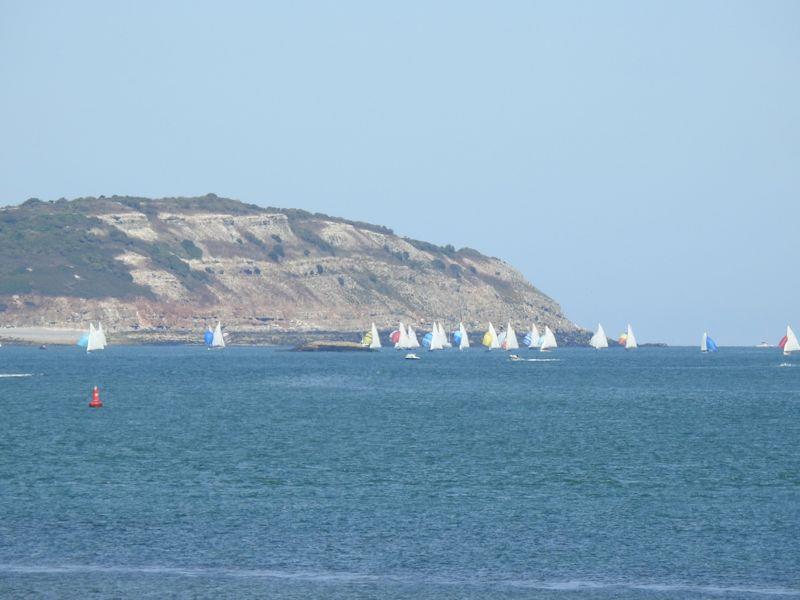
<point x="173" y="265"/>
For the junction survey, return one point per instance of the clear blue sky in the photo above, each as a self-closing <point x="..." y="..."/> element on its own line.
<point x="638" y="161"/>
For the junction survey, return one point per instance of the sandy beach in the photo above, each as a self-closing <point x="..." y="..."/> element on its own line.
<point x="40" y="335"/>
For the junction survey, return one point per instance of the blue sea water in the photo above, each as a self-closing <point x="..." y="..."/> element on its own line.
<point x="253" y="472"/>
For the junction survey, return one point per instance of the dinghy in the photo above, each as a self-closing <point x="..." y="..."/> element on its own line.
<point x="463" y="341"/>
<point x="400" y="338"/>
<point x="707" y="344"/>
<point x="548" y="340"/>
<point x="217" y="341"/>
<point x="628" y="340"/>
<point x="532" y="339"/>
<point x="490" y="338"/>
<point x="412" y="338"/>
<point x="789" y="342"/>
<point x="94" y="342"/>
<point x="510" y="341"/>
<point x="599" y="339"/>
<point x="436" y="338"/>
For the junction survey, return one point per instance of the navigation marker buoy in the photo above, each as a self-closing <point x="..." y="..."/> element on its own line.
<point x="95" y="402"/>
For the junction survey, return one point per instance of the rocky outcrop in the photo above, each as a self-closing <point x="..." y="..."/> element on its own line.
<point x="177" y="264"/>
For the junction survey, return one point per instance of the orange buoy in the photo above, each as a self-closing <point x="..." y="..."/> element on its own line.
<point x="95" y="402"/>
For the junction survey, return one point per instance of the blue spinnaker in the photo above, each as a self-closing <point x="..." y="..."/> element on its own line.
<point x="84" y="341"/>
<point x="711" y="345"/>
<point x="426" y="341"/>
<point x="208" y="337"/>
<point x="456" y="338"/>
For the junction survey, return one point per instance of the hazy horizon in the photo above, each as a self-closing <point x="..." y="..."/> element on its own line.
<point x="636" y="162"/>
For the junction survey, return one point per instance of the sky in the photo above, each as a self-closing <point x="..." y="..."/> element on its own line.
<point x="637" y="161"/>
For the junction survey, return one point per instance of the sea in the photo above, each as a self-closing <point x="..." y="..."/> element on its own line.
<point x="261" y="472"/>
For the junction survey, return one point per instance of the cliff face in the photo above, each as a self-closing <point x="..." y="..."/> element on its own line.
<point x="177" y="264"/>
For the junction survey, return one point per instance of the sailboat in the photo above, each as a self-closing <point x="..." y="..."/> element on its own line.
<point x="217" y="341"/>
<point x="412" y="338"/>
<point x="376" y="339"/>
<point x="599" y="339"/>
<point x="490" y="338"/>
<point x="436" y="338"/>
<point x="707" y="344"/>
<point x="548" y="340"/>
<point x="628" y="340"/>
<point x="402" y="338"/>
<point x="510" y="343"/>
<point x="463" y="341"/>
<point x="95" y="342"/>
<point x="443" y="337"/>
<point x="101" y="334"/>
<point x="789" y="342"/>
<point x="532" y="339"/>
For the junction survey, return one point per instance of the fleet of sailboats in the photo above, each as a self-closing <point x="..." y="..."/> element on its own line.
<point x="406" y="338"/>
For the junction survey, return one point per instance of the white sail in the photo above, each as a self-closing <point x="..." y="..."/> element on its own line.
<point x="548" y="340"/>
<point x="704" y="342"/>
<point x="402" y="341"/>
<point x="511" y="339"/>
<point x="376" y="339"/>
<point x="101" y="334"/>
<point x="94" y="341"/>
<point x="630" y="339"/>
<point x="218" y="341"/>
<point x="791" y="341"/>
<point x="599" y="339"/>
<point x="436" y="338"/>
<point x="535" y="340"/>
<point x="464" y="343"/>
<point x="444" y="337"/>
<point x="413" y="342"/>
<point x="495" y="343"/>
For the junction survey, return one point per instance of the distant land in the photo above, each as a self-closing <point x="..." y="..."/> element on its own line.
<point x="160" y="270"/>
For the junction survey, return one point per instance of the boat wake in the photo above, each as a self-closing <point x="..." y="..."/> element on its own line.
<point x="782" y="365"/>
<point x="10" y="375"/>
<point x="349" y="577"/>
<point x="543" y="359"/>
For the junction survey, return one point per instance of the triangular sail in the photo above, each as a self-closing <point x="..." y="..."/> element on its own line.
<point x="511" y="339"/>
<point x="101" y="334"/>
<point x="791" y="344"/>
<point x="94" y="341"/>
<point x="704" y="342"/>
<point x="376" y="339"/>
<point x="711" y="345"/>
<point x="402" y="341"/>
<point x="494" y="343"/>
<point x="436" y="337"/>
<point x="464" y="341"/>
<point x="412" y="338"/>
<point x="218" y="341"/>
<point x="630" y="339"/>
<point x="532" y="339"/>
<point x="548" y="340"/>
<point x="599" y="339"/>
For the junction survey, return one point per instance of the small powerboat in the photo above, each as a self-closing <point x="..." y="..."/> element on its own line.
<point x="411" y="356"/>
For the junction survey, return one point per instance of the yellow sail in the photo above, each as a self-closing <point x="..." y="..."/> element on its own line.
<point x="367" y="339"/>
<point x="487" y="339"/>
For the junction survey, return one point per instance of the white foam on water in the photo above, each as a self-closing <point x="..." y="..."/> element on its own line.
<point x="543" y="359"/>
<point x="9" y="375"/>
<point x="345" y="577"/>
